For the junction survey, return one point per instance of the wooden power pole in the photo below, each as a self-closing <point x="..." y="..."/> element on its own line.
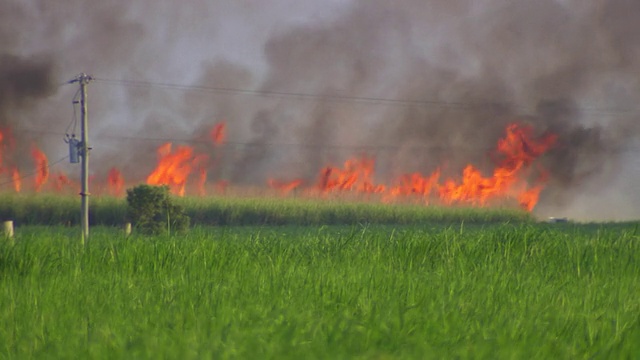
<point x="83" y="79"/>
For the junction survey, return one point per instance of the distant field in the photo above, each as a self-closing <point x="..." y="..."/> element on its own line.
<point x="50" y="209"/>
<point x="526" y="290"/>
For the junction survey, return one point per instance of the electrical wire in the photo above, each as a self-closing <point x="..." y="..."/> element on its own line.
<point x="28" y="175"/>
<point x="74" y="120"/>
<point x="453" y="105"/>
<point x="254" y="144"/>
<point x="306" y="96"/>
<point x="301" y="96"/>
<point x="239" y="144"/>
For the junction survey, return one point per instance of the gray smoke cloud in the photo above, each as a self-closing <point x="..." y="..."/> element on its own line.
<point x="463" y="70"/>
<point x="23" y="81"/>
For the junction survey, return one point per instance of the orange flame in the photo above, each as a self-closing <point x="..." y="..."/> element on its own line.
<point x="200" y="163"/>
<point x="115" y="182"/>
<point x="219" y="133"/>
<point x="285" y="187"/>
<point x="355" y="176"/>
<point x="529" y="198"/>
<point x="42" y="167"/>
<point x="517" y="150"/>
<point x="17" y="180"/>
<point x="174" y="168"/>
<point x="60" y="181"/>
<point x="221" y="186"/>
<point x="415" y="185"/>
<point x="514" y="178"/>
<point x="6" y="143"/>
<point x="202" y="180"/>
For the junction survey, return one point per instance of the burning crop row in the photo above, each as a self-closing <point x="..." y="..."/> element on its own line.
<point x="176" y="166"/>
<point x="510" y="178"/>
<point x="513" y="178"/>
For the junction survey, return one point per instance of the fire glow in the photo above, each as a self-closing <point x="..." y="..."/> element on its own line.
<point x="514" y="178"/>
<point x="115" y="182"/>
<point x="42" y="167"/>
<point x="518" y="149"/>
<point x="175" y="166"/>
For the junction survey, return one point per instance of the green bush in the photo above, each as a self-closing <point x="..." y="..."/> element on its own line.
<point x="152" y="211"/>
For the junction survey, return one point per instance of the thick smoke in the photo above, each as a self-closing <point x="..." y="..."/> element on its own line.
<point x="463" y="70"/>
<point x="22" y="82"/>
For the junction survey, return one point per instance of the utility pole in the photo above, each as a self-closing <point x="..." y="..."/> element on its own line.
<point x="83" y="79"/>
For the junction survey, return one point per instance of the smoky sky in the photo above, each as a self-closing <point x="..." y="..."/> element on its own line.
<point x="461" y="69"/>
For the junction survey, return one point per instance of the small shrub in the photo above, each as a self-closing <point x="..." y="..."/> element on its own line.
<point x="152" y="212"/>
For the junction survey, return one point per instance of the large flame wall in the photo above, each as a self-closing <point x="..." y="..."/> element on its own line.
<point x="514" y="178"/>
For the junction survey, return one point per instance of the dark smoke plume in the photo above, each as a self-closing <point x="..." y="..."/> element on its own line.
<point x="22" y="81"/>
<point x="535" y="62"/>
<point x="463" y="69"/>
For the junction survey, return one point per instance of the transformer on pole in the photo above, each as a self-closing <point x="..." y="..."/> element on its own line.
<point x="74" y="149"/>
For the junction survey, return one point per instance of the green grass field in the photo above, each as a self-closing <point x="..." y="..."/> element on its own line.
<point x="53" y="209"/>
<point x="520" y="290"/>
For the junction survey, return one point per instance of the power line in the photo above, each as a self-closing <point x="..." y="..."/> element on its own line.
<point x="307" y="96"/>
<point x="226" y="145"/>
<point x="258" y="144"/>
<point x="248" y="144"/>
<point x="28" y="175"/>
<point x="453" y="105"/>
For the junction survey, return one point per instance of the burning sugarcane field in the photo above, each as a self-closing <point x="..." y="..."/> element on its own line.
<point x="300" y="179"/>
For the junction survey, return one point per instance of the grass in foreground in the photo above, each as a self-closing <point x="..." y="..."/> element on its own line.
<point x="500" y="291"/>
